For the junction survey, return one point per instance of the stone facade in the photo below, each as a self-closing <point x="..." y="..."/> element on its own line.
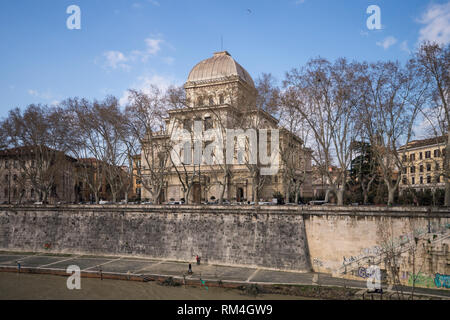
<point x="221" y="96"/>
<point x="343" y="241"/>
<point x="30" y="174"/>
<point x="423" y="164"/>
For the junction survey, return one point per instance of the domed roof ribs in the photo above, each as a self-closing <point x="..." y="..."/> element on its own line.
<point x="218" y="68"/>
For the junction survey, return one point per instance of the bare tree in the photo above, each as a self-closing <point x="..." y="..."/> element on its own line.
<point x="149" y="136"/>
<point x="40" y="138"/>
<point x="392" y="98"/>
<point x="99" y="145"/>
<point x="432" y="63"/>
<point x="327" y="99"/>
<point x="294" y="155"/>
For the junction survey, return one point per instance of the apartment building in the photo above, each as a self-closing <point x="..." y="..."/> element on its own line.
<point x="423" y="163"/>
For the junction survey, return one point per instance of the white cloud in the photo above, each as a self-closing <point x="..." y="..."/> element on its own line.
<point x="41" y="95"/>
<point x="136" y="5"/>
<point x="299" y="2"/>
<point x="119" y="60"/>
<point x="153" y="45"/>
<point x="143" y="83"/>
<point x="154" y="2"/>
<point x="437" y="24"/>
<point x="116" y="59"/>
<point x="404" y="46"/>
<point x="387" y="42"/>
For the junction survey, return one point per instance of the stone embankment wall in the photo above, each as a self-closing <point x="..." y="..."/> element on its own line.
<point x="217" y="235"/>
<point x="346" y="242"/>
<point x="343" y="241"/>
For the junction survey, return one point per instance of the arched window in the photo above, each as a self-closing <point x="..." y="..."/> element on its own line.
<point x="221" y="99"/>
<point x="200" y="101"/>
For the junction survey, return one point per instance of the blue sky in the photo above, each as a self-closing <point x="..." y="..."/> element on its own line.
<point x="126" y="44"/>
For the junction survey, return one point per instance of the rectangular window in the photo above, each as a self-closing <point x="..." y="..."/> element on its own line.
<point x="208" y="123"/>
<point x="404" y="158"/>
<point x="437" y="153"/>
<point x="412" y="157"/>
<point x="420" y="156"/>
<point x="421" y="180"/>
<point x="428" y="179"/>
<point x="413" y="169"/>
<point x="428" y="167"/>
<point x="187" y="125"/>
<point x="427" y="154"/>
<point x="421" y="168"/>
<point x="413" y="180"/>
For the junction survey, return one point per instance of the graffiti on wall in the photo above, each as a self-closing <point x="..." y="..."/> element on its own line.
<point x="366" y="272"/>
<point x="365" y="253"/>
<point x="442" y="280"/>
<point x="420" y="280"/>
<point x="439" y="280"/>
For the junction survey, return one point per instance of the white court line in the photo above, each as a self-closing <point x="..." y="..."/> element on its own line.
<point x="101" y="264"/>
<point x="252" y="275"/>
<point x="153" y="264"/>
<point x="56" y="262"/>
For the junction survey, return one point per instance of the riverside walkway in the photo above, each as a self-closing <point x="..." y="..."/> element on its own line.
<point x="133" y="268"/>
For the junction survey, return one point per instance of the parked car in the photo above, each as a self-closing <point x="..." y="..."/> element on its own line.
<point x="104" y="202"/>
<point x="175" y="202"/>
<point x="317" y="202"/>
<point x="265" y="203"/>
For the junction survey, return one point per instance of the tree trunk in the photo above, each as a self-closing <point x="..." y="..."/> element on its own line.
<point x="222" y="192"/>
<point x="286" y="192"/>
<point x="391" y="194"/>
<point x="447" y="172"/>
<point x="366" y="197"/>
<point x="327" y="195"/>
<point x="340" y="196"/>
